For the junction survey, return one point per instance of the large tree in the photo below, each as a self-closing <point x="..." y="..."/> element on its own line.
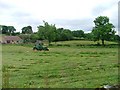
<point x="4" y="29"/>
<point x="27" y="30"/>
<point x="11" y="30"/>
<point x="47" y="32"/>
<point x="103" y="29"/>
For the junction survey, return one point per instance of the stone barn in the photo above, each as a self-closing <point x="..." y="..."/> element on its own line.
<point x="10" y="40"/>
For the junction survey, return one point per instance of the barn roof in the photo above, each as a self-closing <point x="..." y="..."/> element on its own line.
<point x="14" y="38"/>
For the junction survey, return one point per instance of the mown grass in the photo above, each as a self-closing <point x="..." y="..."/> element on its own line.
<point x="61" y="67"/>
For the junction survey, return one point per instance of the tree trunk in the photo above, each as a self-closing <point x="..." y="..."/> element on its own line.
<point x="103" y="42"/>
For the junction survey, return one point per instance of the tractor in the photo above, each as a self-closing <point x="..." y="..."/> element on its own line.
<point x="40" y="47"/>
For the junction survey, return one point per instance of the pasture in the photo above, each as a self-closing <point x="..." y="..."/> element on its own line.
<point x="66" y="65"/>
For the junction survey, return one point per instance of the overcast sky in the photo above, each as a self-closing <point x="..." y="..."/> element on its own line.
<point x="69" y="14"/>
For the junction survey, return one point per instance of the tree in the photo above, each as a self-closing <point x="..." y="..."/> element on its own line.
<point x="88" y="36"/>
<point x="27" y="30"/>
<point x="16" y="33"/>
<point x="67" y="34"/>
<point x="78" y="33"/>
<point x="116" y="38"/>
<point x="8" y="30"/>
<point x="34" y="37"/>
<point x="47" y="32"/>
<point x="59" y="34"/>
<point x="4" y="29"/>
<point x="63" y="34"/>
<point x="11" y="30"/>
<point x="103" y="30"/>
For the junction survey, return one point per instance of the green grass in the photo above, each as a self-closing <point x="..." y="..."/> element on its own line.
<point x="61" y="67"/>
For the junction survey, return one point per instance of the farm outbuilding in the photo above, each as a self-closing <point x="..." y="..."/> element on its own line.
<point x="10" y="40"/>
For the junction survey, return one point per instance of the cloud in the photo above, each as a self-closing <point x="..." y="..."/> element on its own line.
<point x="99" y="10"/>
<point x="104" y="7"/>
<point x="71" y="14"/>
<point x="3" y="6"/>
<point x="75" y="24"/>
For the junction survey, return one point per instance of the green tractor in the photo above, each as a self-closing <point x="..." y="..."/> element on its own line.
<point x="40" y="47"/>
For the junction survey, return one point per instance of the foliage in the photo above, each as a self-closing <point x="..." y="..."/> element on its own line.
<point x="63" y="34"/>
<point x="116" y="38"/>
<point x="16" y="34"/>
<point x="67" y="34"/>
<point x="27" y="30"/>
<point x="11" y="30"/>
<point x="78" y="33"/>
<point x="59" y="33"/>
<point x="4" y="29"/>
<point x="88" y="36"/>
<point x="103" y="30"/>
<point x="8" y="30"/>
<point x="47" y="32"/>
<point x="25" y="37"/>
<point x="34" y="37"/>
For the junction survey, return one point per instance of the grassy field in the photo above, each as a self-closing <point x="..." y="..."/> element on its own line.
<point x="66" y="65"/>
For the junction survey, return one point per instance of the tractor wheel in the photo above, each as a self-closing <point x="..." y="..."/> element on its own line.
<point x="34" y="48"/>
<point x="47" y="49"/>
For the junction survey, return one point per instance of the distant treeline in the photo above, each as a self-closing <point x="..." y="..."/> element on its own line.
<point x="103" y="30"/>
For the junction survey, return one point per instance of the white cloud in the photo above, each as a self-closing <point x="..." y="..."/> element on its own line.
<point x="20" y="13"/>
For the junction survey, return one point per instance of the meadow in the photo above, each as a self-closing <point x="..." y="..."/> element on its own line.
<point x="69" y="64"/>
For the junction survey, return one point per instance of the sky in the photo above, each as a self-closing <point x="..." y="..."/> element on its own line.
<point x="68" y="14"/>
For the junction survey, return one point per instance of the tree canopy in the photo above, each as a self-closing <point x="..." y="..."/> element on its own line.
<point x="78" y="33"/>
<point x="103" y="29"/>
<point x="27" y="30"/>
<point x="47" y="32"/>
<point x="8" y="30"/>
<point x="11" y="30"/>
